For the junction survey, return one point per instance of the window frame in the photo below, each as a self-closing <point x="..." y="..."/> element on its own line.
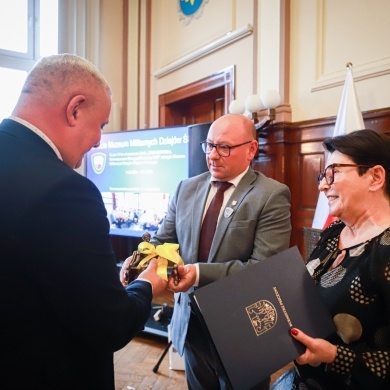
<point x="25" y="61"/>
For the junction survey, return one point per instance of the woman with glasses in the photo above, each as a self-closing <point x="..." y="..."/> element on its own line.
<point x="351" y="267"/>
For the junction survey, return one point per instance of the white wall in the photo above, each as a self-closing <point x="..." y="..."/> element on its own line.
<point x="325" y="35"/>
<point x="172" y="39"/>
<point x="111" y="57"/>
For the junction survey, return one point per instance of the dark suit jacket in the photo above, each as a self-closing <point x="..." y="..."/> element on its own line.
<point x="259" y="227"/>
<point x="63" y="310"/>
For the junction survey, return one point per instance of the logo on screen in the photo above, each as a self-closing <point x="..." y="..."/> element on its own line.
<point x="98" y="161"/>
<point x="263" y="316"/>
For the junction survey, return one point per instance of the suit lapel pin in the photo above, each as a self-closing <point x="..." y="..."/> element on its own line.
<point x="234" y="202"/>
<point x="228" y="212"/>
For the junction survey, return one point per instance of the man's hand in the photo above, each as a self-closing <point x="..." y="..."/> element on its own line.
<point x="150" y="274"/>
<point x="122" y="277"/>
<point x="317" y="350"/>
<point x="187" y="278"/>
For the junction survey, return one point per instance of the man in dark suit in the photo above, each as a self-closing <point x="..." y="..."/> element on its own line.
<point x="63" y="308"/>
<point x="254" y="224"/>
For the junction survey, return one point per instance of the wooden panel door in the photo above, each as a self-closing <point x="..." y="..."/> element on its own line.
<point x="199" y="102"/>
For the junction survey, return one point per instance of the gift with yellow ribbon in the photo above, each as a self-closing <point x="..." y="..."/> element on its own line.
<point x="167" y="255"/>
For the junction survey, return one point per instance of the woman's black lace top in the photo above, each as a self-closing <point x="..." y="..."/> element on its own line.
<point x="357" y="293"/>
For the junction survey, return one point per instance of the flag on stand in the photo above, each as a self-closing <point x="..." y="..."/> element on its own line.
<point x="349" y="118"/>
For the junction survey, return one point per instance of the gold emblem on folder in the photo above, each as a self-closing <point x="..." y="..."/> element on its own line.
<point x="263" y="316"/>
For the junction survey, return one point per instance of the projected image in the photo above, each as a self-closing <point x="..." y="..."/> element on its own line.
<point x="135" y="210"/>
<point x="137" y="172"/>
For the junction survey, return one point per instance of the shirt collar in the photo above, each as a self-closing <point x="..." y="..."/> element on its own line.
<point x="234" y="181"/>
<point x="39" y="133"/>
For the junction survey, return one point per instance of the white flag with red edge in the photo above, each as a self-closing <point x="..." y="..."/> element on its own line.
<point x="349" y="118"/>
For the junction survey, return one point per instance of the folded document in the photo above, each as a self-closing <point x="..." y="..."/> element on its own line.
<point x="249" y="314"/>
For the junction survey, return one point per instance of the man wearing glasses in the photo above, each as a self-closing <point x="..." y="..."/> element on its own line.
<point x="253" y="224"/>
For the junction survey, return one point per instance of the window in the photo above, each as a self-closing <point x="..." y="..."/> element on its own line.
<point x="28" y="31"/>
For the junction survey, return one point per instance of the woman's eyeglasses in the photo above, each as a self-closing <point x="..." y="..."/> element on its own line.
<point x="328" y="173"/>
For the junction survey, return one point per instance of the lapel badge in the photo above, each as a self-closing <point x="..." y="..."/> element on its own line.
<point x="228" y="212"/>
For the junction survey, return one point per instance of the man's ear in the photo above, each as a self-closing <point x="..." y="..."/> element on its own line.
<point x="254" y="146"/>
<point x="72" y="109"/>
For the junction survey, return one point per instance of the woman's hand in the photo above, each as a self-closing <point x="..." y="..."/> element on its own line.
<point x="317" y="350"/>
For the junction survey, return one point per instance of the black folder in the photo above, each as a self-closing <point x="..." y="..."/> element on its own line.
<point x="249" y="314"/>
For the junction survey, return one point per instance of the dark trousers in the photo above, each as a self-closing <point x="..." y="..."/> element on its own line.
<point x="203" y="368"/>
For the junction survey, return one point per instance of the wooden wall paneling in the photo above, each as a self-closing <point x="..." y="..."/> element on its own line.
<point x="378" y="120"/>
<point x="304" y="170"/>
<point x="266" y="164"/>
<point x="267" y="160"/>
<point x="273" y="150"/>
<point x="307" y="160"/>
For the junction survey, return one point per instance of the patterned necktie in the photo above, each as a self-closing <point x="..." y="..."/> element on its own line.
<point x="210" y="221"/>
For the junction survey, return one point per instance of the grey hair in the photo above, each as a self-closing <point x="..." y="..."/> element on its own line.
<point x="61" y="72"/>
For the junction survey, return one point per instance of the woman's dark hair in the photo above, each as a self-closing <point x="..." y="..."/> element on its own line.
<point x="365" y="147"/>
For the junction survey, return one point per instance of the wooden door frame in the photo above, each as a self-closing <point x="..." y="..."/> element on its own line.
<point x="224" y="78"/>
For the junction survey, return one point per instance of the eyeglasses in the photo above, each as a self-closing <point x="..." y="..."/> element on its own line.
<point x="328" y="174"/>
<point x="222" y="150"/>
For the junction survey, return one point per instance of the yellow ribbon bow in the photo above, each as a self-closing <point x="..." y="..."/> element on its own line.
<point x="164" y="253"/>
